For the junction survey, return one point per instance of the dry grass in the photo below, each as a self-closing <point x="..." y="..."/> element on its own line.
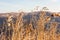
<point x="19" y="31"/>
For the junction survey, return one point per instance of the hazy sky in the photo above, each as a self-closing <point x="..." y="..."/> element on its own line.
<point x="15" y="5"/>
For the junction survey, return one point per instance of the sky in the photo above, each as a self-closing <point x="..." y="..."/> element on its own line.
<point x="27" y="5"/>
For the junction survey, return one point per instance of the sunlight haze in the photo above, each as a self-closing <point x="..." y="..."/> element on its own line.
<point x="27" y="5"/>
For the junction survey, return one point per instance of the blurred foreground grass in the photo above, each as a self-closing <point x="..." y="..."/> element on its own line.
<point x="31" y="27"/>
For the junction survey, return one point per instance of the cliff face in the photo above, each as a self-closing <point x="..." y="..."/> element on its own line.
<point x="31" y="26"/>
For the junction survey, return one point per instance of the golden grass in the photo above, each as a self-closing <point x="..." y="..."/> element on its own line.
<point x="27" y="32"/>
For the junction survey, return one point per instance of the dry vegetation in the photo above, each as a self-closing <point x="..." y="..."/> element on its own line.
<point x="34" y="30"/>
